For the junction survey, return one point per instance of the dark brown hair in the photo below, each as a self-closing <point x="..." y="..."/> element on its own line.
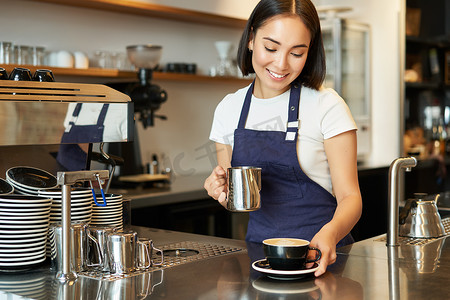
<point x="313" y="73"/>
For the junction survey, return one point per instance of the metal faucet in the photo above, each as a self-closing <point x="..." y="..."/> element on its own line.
<point x="65" y="180"/>
<point x="393" y="201"/>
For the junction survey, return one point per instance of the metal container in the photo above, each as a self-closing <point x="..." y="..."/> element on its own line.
<point x="122" y="252"/>
<point x="244" y="184"/>
<point x="101" y="258"/>
<point x="79" y="251"/>
<point x="144" y="254"/>
<point x="420" y="218"/>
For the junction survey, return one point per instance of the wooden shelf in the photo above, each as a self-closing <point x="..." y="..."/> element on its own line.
<point x="430" y="41"/>
<point x="141" y="8"/>
<point x="91" y="72"/>
<point x="422" y="85"/>
<point x="127" y="75"/>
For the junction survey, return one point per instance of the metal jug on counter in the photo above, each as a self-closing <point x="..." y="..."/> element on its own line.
<point x="79" y="251"/>
<point x="420" y="218"/>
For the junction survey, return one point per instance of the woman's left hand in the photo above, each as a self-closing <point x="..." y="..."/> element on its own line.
<point x="326" y="242"/>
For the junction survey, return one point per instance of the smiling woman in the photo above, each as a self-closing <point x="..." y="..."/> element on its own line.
<point x="309" y="185"/>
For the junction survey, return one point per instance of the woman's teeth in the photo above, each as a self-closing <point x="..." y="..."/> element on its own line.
<point x="276" y="75"/>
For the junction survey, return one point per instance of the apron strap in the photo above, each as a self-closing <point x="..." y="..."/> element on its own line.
<point x="75" y="114"/>
<point x="77" y="109"/>
<point x="293" y="121"/>
<point x="101" y="117"/>
<point x="246" y="106"/>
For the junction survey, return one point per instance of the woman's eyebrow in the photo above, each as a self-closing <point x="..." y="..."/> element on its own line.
<point x="278" y="43"/>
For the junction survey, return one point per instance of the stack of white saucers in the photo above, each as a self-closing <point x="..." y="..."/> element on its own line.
<point x="24" y="285"/>
<point x="111" y="214"/>
<point x="29" y="180"/>
<point x="80" y="206"/>
<point x="24" y="222"/>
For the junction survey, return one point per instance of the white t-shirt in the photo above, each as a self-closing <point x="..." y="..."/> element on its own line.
<point x="322" y="114"/>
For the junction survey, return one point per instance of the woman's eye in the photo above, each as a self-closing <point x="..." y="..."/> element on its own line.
<point x="270" y="50"/>
<point x="297" y="54"/>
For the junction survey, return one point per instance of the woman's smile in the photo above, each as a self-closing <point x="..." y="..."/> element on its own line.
<point x="277" y="76"/>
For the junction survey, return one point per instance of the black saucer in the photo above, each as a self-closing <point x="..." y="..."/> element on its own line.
<point x="5" y="187"/>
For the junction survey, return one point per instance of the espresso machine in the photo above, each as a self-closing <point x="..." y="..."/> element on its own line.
<point x="147" y="98"/>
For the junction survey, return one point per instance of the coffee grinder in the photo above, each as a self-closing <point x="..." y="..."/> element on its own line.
<point x="147" y="98"/>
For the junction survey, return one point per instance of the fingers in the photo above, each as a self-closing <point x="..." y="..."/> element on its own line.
<point x="223" y="199"/>
<point x="322" y="267"/>
<point x="216" y="184"/>
<point x="219" y="171"/>
<point x="328" y="258"/>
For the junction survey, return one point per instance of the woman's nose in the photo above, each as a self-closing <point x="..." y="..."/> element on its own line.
<point x="282" y="61"/>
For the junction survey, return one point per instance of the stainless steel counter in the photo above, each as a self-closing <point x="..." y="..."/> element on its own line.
<point x="364" y="270"/>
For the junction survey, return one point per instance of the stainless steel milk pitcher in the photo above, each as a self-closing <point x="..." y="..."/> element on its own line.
<point x="244" y="185"/>
<point x="100" y="233"/>
<point x="122" y="252"/>
<point x="80" y="237"/>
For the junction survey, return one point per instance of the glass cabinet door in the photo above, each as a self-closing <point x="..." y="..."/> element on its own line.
<point x="347" y="55"/>
<point x="355" y="68"/>
<point x="346" y="46"/>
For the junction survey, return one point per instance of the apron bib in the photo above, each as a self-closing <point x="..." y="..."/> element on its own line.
<point x="292" y="205"/>
<point x="70" y="155"/>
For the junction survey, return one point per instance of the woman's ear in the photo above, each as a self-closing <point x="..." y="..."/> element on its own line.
<point x="250" y="41"/>
<point x="250" y="45"/>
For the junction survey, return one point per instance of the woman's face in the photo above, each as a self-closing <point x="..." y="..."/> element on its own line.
<point x="280" y="48"/>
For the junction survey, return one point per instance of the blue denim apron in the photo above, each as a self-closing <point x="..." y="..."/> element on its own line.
<point x="292" y="205"/>
<point x="70" y="155"/>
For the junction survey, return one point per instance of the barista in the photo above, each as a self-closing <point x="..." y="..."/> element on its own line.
<point x="309" y="176"/>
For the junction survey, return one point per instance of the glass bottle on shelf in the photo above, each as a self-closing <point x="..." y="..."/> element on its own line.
<point x="225" y="66"/>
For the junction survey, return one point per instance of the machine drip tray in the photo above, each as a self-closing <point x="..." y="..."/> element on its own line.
<point x="420" y="241"/>
<point x="174" y="255"/>
<point x="180" y="252"/>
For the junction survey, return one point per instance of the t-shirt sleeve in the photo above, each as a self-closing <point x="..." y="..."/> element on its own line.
<point x="337" y="117"/>
<point x="221" y="130"/>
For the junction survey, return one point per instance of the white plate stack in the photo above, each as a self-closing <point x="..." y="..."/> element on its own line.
<point x="24" y="222"/>
<point x="24" y="285"/>
<point x="29" y="180"/>
<point x="80" y="206"/>
<point x="111" y="214"/>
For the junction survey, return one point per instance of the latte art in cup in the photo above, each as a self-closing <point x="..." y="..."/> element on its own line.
<point x="286" y="242"/>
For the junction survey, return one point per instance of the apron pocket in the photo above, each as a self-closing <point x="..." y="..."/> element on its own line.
<point x="279" y="182"/>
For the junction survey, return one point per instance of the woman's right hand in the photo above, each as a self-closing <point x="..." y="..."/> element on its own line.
<point x="216" y="185"/>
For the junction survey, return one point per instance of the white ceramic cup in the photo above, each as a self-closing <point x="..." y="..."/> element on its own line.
<point x="81" y="60"/>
